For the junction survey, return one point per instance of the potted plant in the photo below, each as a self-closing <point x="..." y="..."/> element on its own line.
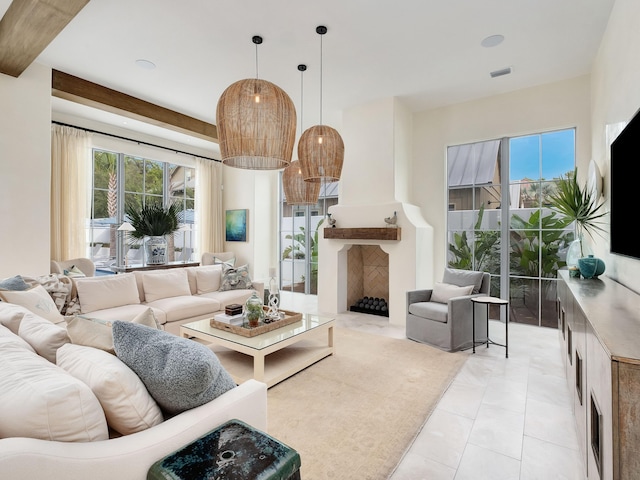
<point x="582" y="206"/>
<point x="152" y="224"/>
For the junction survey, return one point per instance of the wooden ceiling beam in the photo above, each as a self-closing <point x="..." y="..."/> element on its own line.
<point x="91" y="94"/>
<point x="28" y="27"/>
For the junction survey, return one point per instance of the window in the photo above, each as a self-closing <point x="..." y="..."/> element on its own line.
<point x="502" y="224"/>
<point x="299" y="227"/>
<point x="120" y="180"/>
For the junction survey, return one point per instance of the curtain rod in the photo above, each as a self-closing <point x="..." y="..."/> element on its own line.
<point x="132" y="140"/>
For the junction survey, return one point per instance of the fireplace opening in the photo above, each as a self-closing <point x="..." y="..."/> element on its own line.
<point x="371" y="305"/>
<point x="368" y="280"/>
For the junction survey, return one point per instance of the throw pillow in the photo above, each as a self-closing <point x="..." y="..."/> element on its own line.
<point x="443" y="292"/>
<point x="42" y="335"/>
<point x="14" y="283"/>
<point x="179" y="373"/>
<point x="11" y="315"/>
<point x="74" y="272"/>
<point x="126" y="402"/>
<point x="462" y="278"/>
<point x="208" y="278"/>
<point x="230" y="262"/>
<point x="97" y="333"/>
<point x="98" y="293"/>
<point x="41" y="400"/>
<point x="37" y="300"/>
<point x="172" y="283"/>
<point x="235" y="278"/>
<point x="7" y="336"/>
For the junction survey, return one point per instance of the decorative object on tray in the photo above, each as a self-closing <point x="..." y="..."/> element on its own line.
<point x="233" y="309"/>
<point x="229" y="319"/>
<point x="253" y="310"/>
<point x="288" y="317"/>
<point x="331" y="221"/>
<point x="391" y="221"/>
<point x="591" y="267"/>
<point x="274" y="298"/>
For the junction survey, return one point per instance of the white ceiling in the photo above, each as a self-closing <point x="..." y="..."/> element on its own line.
<point x="427" y="53"/>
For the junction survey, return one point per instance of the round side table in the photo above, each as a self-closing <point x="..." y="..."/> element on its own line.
<point x="488" y="301"/>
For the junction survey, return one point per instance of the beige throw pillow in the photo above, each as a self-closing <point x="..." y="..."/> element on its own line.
<point x="443" y="292"/>
<point x="41" y="400"/>
<point x="42" y="335"/>
<point x="37" y="300"/>
<point x="172" y="283"/>
<point x="97" y="333"/>
<point x="98" y="293"/>
<point x="125" y="400"/>
<point x="208" y="278"/>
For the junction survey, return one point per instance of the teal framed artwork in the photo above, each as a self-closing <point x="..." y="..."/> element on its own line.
<point x="236" y="225"/>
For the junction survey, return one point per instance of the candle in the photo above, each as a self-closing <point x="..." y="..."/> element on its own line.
<point x="272" y="271"/>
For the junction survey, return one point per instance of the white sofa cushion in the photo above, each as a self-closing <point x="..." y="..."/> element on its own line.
<point x="128" y="312"/>
<point x="126" y="402"/>
<point x="179" y="308"/>
<point x="97" y="333"/>
<point x="443" y="292"/>
<point x="36" y="300"/>
<point x="7" y="336"/>
<point x="11" y="315"/>
<point x="180" y="374"/>
<point x="44" y="336"/>
<point x="41" y="400"/>
<point x="229" y="296"/>
<point x="208" y="278"/>
<point x="98" y="293"/>
<point x="172" y="283"/>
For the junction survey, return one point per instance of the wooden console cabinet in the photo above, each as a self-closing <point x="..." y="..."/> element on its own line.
<point x="599" y="328"/>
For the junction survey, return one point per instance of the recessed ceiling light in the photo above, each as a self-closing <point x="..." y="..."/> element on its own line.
<point x="492" y="41"/>
<point x="146" y="64"/>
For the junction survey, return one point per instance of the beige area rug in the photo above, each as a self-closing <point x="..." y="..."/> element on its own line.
<point x="354" y="414"/>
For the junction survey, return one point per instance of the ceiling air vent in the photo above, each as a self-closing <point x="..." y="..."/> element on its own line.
<point x="499" y="73"/>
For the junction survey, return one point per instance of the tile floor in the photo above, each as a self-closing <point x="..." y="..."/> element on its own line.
<point x="499" y="419"/>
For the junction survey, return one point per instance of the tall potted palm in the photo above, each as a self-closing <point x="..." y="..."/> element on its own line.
<point x="582" y="206"/>
<point x="152" y="224"/>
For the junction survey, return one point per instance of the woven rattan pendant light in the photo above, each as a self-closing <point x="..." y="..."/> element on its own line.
<point x="256" y="123"/>
<point x="296" y="190"/>
<point x="320" y="148"/>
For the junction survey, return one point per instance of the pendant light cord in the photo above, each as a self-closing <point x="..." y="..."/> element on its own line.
<point x="321" y="79"/>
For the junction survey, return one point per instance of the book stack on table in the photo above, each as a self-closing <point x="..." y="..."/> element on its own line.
<point x="235" y="319"/>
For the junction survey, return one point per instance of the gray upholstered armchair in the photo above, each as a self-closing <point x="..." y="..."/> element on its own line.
<point x="442" y="316"/>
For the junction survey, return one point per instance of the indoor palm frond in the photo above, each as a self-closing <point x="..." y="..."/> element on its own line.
<point x="153" y="220"/>
<point x="578" y="204"/>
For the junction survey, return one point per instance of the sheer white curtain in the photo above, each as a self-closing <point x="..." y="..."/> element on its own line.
<point x="70" y="200"/>
<point x="210" y="217"/>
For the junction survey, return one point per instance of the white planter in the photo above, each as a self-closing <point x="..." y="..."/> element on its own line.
<point x="156" y="250"/>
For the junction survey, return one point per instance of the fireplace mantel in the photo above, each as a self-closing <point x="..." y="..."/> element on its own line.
<point x="363" y="233"/>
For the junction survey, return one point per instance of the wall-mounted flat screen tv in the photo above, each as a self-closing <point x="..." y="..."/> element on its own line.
<point x="625" y="190"/>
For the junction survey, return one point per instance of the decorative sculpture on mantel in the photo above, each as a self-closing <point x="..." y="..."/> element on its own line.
<point x="331" y="221"/>
<point x="391" y="221"/>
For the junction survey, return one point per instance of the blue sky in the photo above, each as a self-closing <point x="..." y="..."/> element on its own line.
<point x="557" y="150"/>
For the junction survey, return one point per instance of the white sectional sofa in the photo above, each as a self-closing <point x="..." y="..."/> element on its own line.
<point x="176" y="296"/>
<point x="55" y="424"/>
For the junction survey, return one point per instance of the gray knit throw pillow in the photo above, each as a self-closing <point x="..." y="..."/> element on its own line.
<point x="179" y="374"/>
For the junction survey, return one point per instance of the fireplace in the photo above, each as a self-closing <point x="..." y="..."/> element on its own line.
<point x="368" y="280"/>
<point x="375" y="183"/>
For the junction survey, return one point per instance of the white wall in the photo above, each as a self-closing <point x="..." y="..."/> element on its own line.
<point x="615" y="98"/>
<point x="548" y="107"/>
<point x="257" y="191"/>
<point x="25" y="171"/>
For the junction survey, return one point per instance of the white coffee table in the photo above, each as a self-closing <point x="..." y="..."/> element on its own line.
<point x="282" y="362"/>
